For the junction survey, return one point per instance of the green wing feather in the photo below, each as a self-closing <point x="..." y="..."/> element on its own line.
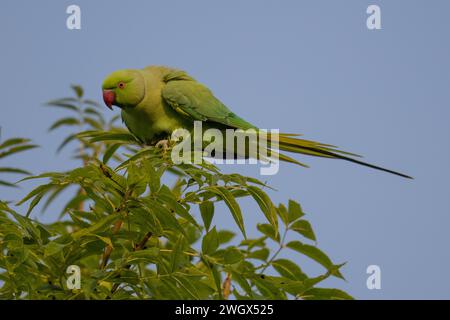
<point x="194" y="100"/>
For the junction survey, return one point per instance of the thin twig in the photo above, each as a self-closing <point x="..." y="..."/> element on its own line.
<point x="276" y="253"/>
<point x="141" y="245"/>
<point x="108" y="249"/>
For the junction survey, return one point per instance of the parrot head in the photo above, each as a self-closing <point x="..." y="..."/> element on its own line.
<point x="123" y="88"/>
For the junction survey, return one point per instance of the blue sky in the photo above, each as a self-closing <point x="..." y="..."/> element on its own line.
<point x="302" y="66"/>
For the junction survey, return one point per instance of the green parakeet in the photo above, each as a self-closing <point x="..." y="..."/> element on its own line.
<point x="157" y="100"/>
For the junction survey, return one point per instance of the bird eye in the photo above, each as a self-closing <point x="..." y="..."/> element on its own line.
<point x="121" y="85"/>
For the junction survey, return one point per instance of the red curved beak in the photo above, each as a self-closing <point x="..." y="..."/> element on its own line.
<point x="109" y="97"/>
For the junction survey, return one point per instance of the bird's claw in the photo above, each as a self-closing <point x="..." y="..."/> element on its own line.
<point x="163" y="144"/>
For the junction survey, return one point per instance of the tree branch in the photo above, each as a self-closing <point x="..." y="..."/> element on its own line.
<point x="109" y="248"/>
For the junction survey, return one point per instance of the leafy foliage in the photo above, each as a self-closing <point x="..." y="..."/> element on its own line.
<point x="135" y="236"/>
<point x="11" y="147"/>
<point x="84" y="115"/>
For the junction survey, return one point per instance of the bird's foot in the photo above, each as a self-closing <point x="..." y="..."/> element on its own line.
<point x="163" y="144"/>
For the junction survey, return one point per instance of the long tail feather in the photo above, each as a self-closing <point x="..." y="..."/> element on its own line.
<point x="312" y="148"/>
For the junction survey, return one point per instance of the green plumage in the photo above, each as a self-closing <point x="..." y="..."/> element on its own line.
<point x="157" y="100"/>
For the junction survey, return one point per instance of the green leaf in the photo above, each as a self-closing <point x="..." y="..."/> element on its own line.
<point x="176" y="259"/>
<point x="295" y="211"/>
<point x="252" y="243"/>
<point x="269" y="231"/>
<point x="304" y="228"/>
<point x="232" y="255"/>
<point x="34" y="203"/>
<point x="105" y="240"/>
<point x="207" y="212"/>
<point x="93" y="123"/>
<point x="63" y="104"/>
<point x="91" y="103"/>
<point x="166" y="196"/>
<point x="235" y="210"/>
<point x="283" y="213"/>
<point x="36" y="191"/>
<point x="13" y="141"/>
<point x="136" y="180"/>
<point x="153" y="176"/>
<point x="53" y="248"/>
<point x="7" y="184"/>
<point x="37" y="195"/>
<point x="293" y="287"/>
<point x="267" y="288"/>
<point x="242" y="282"/>
<point x="56" y="191"/>
<point x="210" y="242"/>
<point x="165" y="217"/>
<point x="93" y="111"/>
<point x="78" y="90"/>
<point x="101" y="225"/>
<point x="54" y="175"/>
<point x="260" y="254"/>
<point x="288" y="269"/>
<point x="69" y="121"/>
<point x="66" y="141"/>
<point x="187" y="286"/>
<point x="266" y="205"/>
<point x="127" y="276"/>
<point x="119" y="137"/>
<point x="325" y="294"/>
<point x="110" y="152"/>
<point x="149" y="255"/>
<point x="216" y="277"/>
<point x="225" y="236"/>
<point x="28" y="224"/>
<point x="317" y="255"/>
<point x="14" y="170"/>
<point x="16" y="150"/>
<point x="75" y="202"/>
<point x="166" y="289"/>
<point x="147" y="220"/>
<point x="145" y="153"/>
